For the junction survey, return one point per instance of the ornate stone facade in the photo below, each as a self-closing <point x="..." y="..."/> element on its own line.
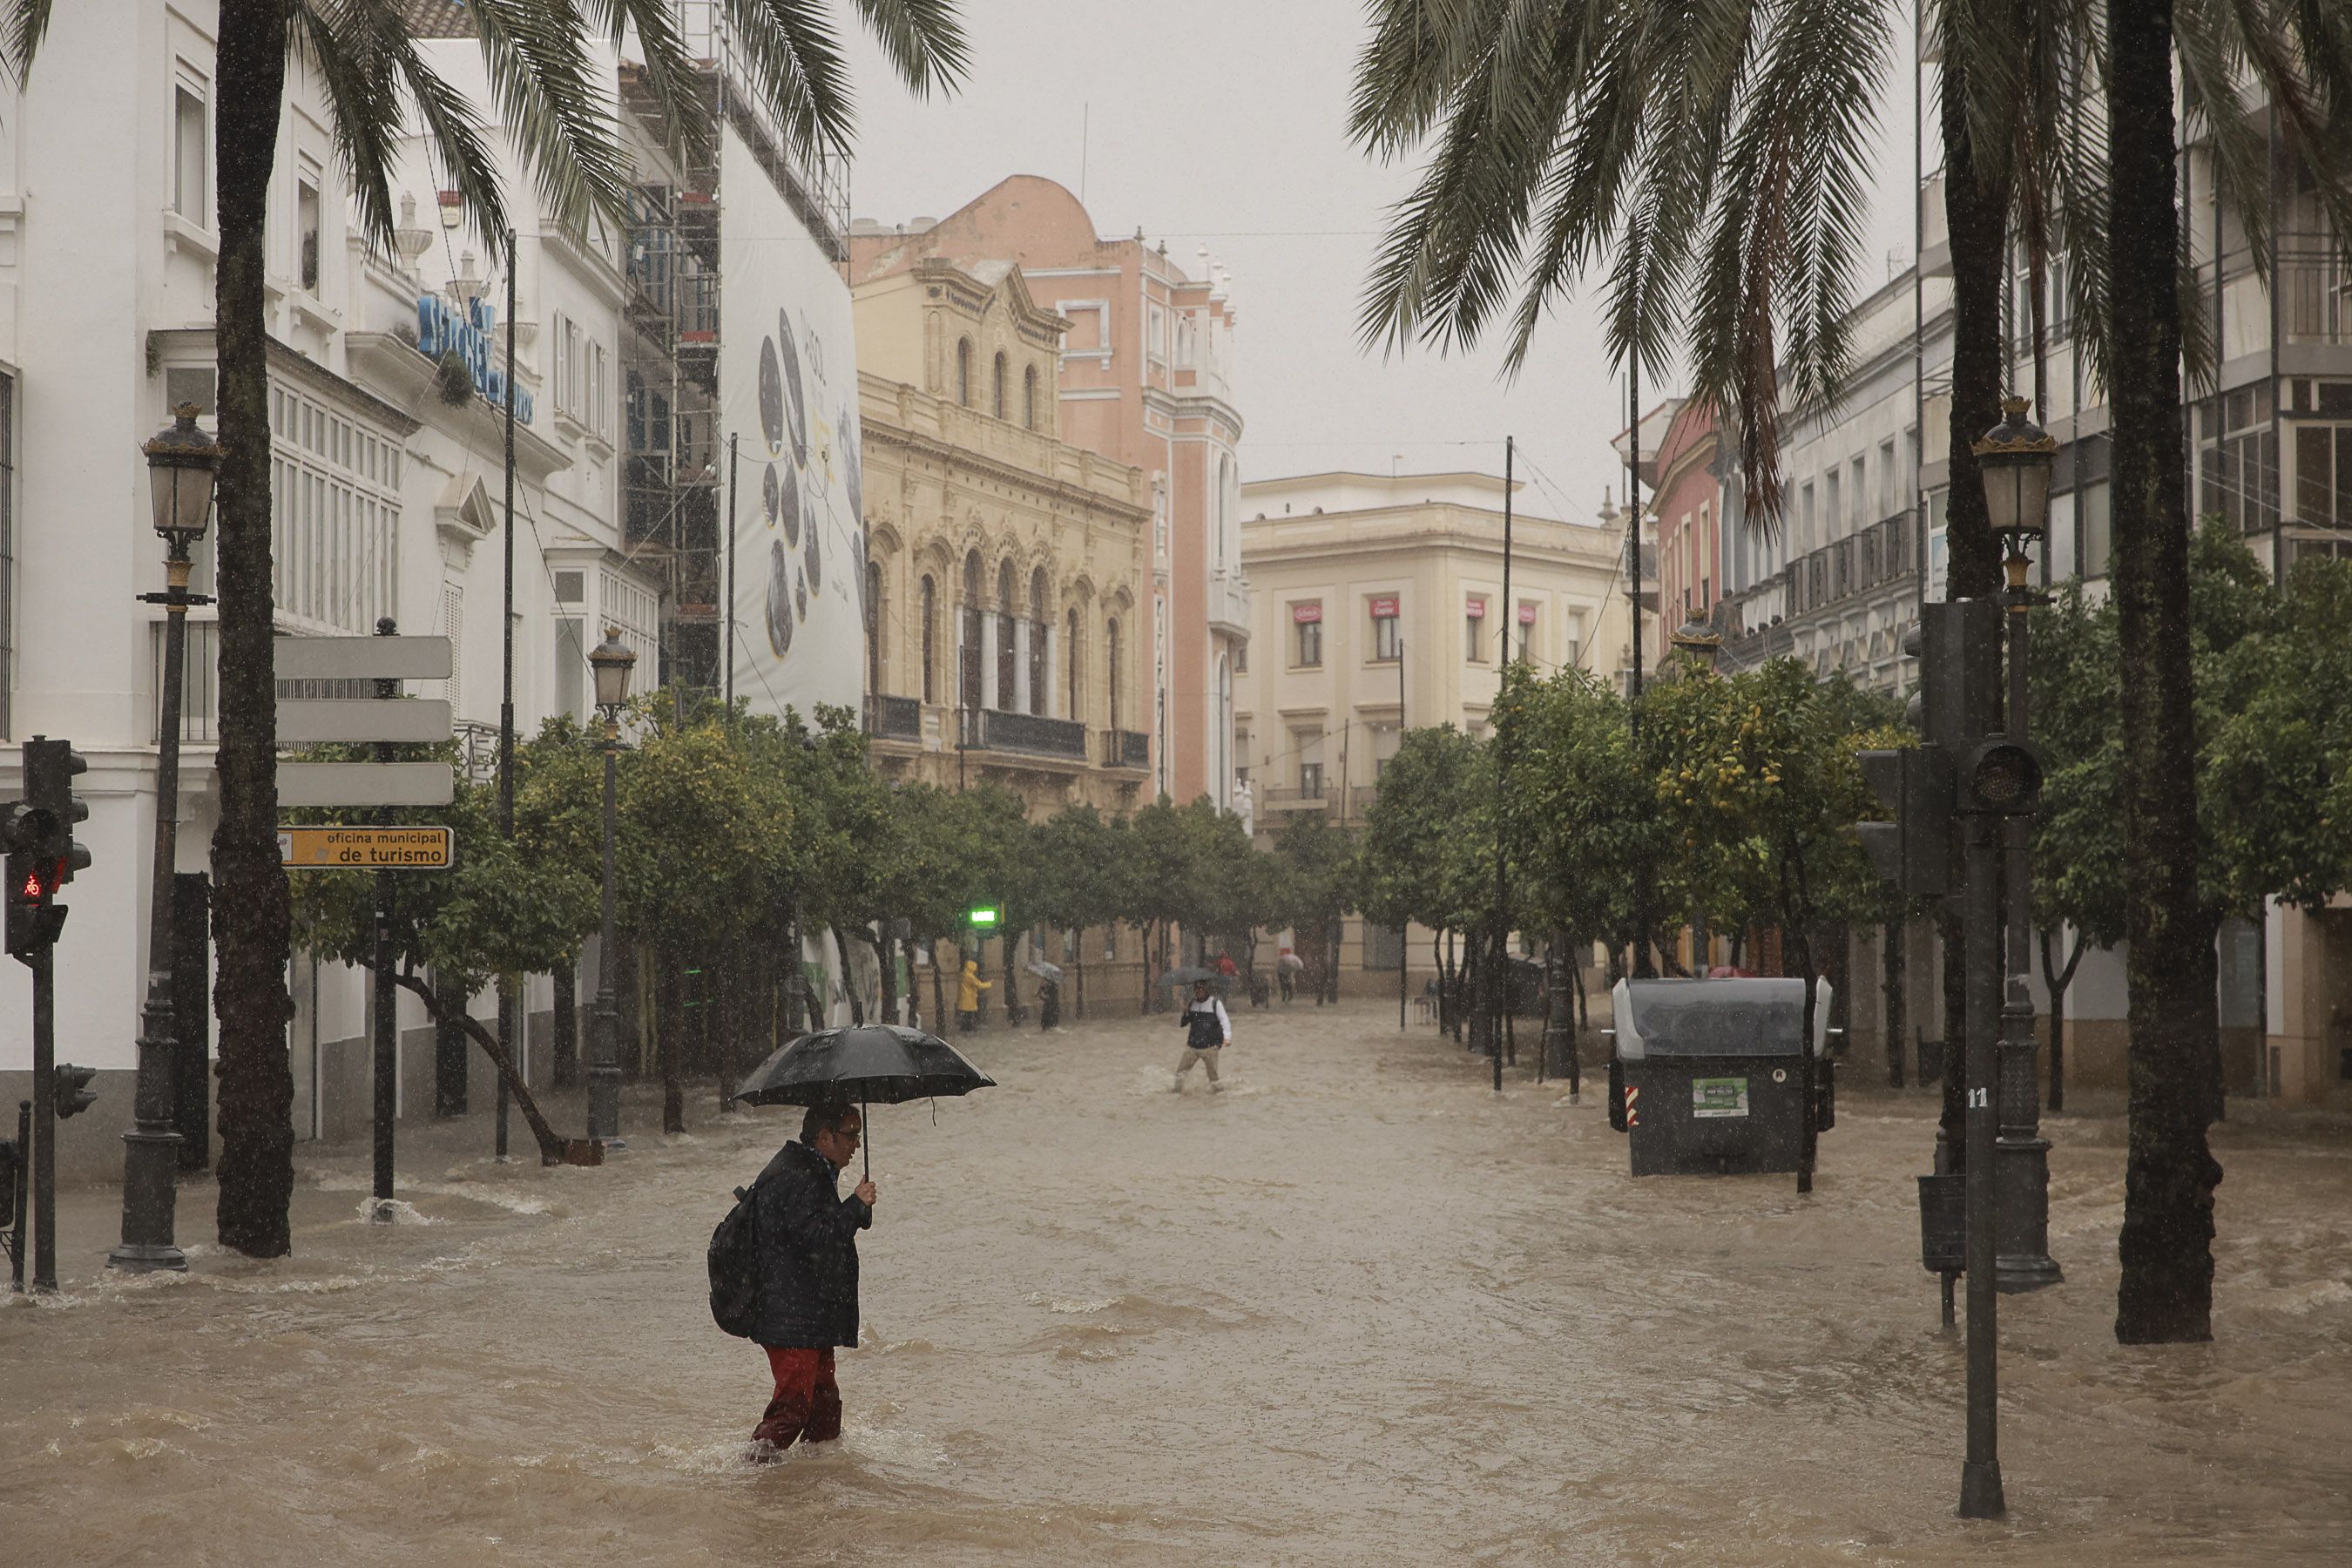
<point x="1007" y="570"/>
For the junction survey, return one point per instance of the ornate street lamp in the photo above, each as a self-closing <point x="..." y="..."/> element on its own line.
<point x="182" y="465"/>
<point x="2015" y="457"/>
<point x="612" y="660"/>
<point x="1696" y="640"/>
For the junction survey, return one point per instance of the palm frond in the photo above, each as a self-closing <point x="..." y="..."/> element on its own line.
<point x="27" y="23"/>
<point x="352" y="44"/>
<point x="796" y="68"/>
<point x="923" y="39"/>
<point x="669" y="75"/>
<point x="1406" y="73"/>
<point x="562" y="121"/>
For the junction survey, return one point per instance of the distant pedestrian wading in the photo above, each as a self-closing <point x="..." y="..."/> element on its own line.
<point x="784" y="1274"/>
<point x="1207" y="1030"/>
<point x="969" y="986"/>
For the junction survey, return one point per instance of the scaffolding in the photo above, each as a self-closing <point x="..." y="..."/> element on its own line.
<point x="674" y="501"/>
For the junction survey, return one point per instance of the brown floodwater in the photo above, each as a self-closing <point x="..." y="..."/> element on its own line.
<point x="1357" y="1310"/>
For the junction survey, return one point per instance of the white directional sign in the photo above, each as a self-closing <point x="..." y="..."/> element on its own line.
<point x="395" y="720"/>
<point x="366" y="784"/>
<point x="363" y="658"/>
<point x="308" y="721"/>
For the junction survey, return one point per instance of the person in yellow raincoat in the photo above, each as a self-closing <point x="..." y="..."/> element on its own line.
<point x="969" y="986"/>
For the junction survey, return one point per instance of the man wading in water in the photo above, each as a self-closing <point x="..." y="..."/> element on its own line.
<point x="808" y="1275"/>
<point x="1207" y="1032"/>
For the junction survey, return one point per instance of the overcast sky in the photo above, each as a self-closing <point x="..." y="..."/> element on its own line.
<point x="1224" y="123"/>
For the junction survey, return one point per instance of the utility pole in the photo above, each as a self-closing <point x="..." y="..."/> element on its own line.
<point x="1498" y="986"/>
<point x="1642" y="967"/>
<point x="508" y="1000"/>
<point x="733" y="440"/>
<point x="1403" y="927"/>
<point x="385" y="1039"/>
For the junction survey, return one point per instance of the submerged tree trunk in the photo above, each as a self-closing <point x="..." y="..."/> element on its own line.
<point x="2166" y="1293"/>
<point x="251" y="908"/>
<point x="2058" y="980"/>
<point x="1891" y="939"/>
<point x="849" y="979"/>
<point x="938" y="994"/>
<point x="886" y="954"/>
<point x="444" y="1014"/>
<point x="670" y="997"/>
<point x="565" y="977"/>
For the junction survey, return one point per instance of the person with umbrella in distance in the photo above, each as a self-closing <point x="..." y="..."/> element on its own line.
<point x="808" y="1274"/>
<point x="1207" y="1030"/>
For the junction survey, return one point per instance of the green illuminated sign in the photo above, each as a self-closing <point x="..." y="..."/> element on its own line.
<point x="986" y="915"/>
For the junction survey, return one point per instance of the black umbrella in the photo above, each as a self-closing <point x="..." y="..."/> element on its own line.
<point x="1186" y="976"/>
<point x="882" y="1062"/>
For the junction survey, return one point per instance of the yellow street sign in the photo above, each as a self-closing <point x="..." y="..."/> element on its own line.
<point x="364" y="848"/>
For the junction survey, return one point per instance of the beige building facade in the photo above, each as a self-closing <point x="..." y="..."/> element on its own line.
<point x="1006" y="569"/>
<point x="1008" y="577"/>
<point x="1380" y="606"/>
<point x="1146" y="377"/>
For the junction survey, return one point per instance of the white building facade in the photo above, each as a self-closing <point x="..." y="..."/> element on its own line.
<point x="387" y="498"/>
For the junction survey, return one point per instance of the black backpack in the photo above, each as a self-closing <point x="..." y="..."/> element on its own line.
<point x="734" y="1261"/>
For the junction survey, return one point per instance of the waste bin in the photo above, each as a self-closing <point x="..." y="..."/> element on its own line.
<point x="1708" y="1075"/>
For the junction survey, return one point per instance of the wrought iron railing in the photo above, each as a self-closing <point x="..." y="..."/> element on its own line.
<point x="890" y="718"/>
<point x="1126" y="749"/>
<point x="1032" y="734"/>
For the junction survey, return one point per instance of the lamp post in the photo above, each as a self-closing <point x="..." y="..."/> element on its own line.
<point x="1699" y="645"/>
<point x="2015" y="456"/>
<point x="183" y="463"/>
<point x="612" y="660"/>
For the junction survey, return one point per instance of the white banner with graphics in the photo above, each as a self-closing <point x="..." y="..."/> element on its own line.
<point x="788" y="392"/>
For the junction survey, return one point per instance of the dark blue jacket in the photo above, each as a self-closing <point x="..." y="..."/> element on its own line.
<point x="808" y="1253"/>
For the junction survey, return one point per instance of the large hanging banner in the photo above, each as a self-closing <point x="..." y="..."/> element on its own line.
<point x="788" y="392"/>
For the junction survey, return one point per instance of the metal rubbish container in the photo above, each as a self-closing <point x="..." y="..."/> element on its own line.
<point x="1708" y="1075"/>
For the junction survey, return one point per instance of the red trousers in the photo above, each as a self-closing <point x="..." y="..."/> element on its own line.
<point x="807" y="1402"/>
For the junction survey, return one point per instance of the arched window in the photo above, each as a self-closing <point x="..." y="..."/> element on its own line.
<point x="873" y="627"/>
<point x="1110" y="665"/>
<point x="968" y="694"/>
<point x="930" y="633"/>
<point x="963" y="372"/>
<point x="996" y="387"/>
<point x="1029" y="398"/>
<point x="1007" y="661"/>
<point x="1074" y="660"/>
<point x="1040" y="683"/>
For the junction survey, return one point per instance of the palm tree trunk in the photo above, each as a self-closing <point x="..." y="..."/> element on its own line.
<point x="2166" y="1293"/>
<point x="250" y="925"/>
<point x="1976" y="208"/>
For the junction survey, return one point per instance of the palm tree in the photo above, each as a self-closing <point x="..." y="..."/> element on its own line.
<point x="378" y="82"/>
<point x="1706" y="159"/>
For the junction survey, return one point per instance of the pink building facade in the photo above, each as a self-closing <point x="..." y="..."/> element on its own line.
<point x="1146" y="378"/>
<point x="1689" y="505"/>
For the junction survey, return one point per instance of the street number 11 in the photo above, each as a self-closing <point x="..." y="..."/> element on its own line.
<point x="1979" y="1100"/>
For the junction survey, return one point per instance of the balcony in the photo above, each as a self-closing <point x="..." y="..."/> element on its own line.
<point x="894" y="717"/>
<point x="1300" y="797"/>
<point x="1128" y="748"/>
<point x="1027" y="734"/>
<point x="2316" y="299"/>
<point x="1229" y="600"/>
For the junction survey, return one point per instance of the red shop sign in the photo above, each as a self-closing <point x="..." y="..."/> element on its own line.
<point x="1475" y="610"/>
<point x="1527" y="615"/>
<point x="1305" y="614"/>
<point x="1384" y="609"/>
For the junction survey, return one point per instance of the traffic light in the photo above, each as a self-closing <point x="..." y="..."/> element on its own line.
<point x="74" y="1093"/>
<point x="51" y="768"/>
<point x="33" y="917"/>
<point x="1959" y="648"/>
<point x="1914" y="850"/>
<point x="2002" y="778"/>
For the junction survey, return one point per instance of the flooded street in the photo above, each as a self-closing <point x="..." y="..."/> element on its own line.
<point x="1355" y="1309"/>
